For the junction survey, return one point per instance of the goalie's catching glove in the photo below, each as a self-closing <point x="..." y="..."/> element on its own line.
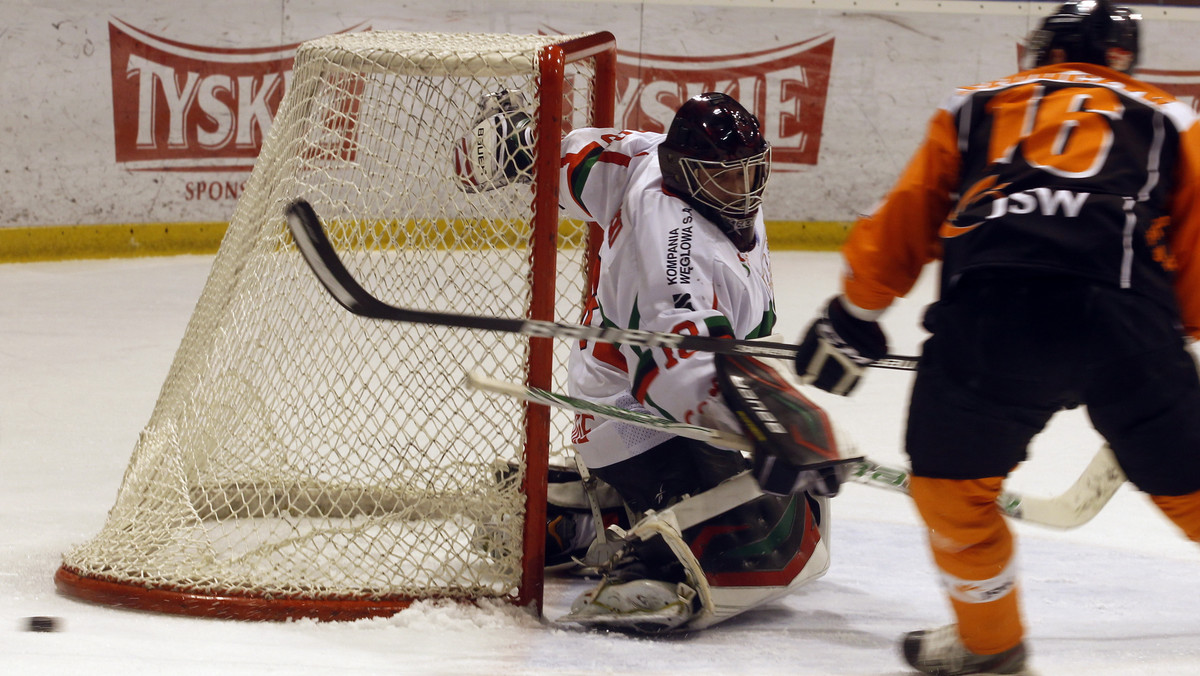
<point x="837" y="347"/>
<point x="795" y="447"/>
<point x="499" y="147"/>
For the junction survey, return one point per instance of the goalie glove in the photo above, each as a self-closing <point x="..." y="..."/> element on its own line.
<point x="795" y="447"/>
<point x="837" y="347"/>
<point x="499" y="147"/>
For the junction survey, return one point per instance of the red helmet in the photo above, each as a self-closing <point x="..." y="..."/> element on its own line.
<point x="716" y="159"/>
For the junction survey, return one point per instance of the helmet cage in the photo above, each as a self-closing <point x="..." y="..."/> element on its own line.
<point x="733" y="188"/>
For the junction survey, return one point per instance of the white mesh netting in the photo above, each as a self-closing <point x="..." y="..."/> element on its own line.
<point x="300" y="452"/>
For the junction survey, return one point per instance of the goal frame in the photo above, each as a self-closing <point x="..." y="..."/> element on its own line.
<point x="550" y="71"/>
<point x="551" y="62"/>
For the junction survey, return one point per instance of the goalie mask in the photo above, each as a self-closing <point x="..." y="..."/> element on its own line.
<point x="716" y="159"/>
<point x="1088" y="31"/>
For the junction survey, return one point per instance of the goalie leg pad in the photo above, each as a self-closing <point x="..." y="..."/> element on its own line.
<point x="741" y="559"/>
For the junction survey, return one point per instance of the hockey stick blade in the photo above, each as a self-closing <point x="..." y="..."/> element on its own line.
<point x="1071" y="509"/>
<point x="1079" y="504"/>
<point x="319" y="253"/>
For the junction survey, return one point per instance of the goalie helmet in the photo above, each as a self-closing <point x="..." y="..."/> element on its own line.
<point x="716" y="159"/>
<point x="1088" y="31"/>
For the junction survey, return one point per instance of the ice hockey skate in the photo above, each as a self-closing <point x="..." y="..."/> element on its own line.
<point x="642" y="605"/>
<point x="940" y="652"/>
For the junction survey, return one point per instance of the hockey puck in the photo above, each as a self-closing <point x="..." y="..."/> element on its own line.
<point x="42" y="623"/>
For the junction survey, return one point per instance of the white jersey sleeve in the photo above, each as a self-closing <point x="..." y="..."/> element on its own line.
<point x="663" y="267"/>
<point x="595" y="170"/>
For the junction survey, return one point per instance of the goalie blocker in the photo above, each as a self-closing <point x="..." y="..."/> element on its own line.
<point x="795" y="447"/>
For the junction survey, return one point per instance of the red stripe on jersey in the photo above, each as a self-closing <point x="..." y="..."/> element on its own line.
<point x="615" y="229"/>
<point x="572" y="159"/>
<point x="611" y="355"/>
<point x="614" y="158"/>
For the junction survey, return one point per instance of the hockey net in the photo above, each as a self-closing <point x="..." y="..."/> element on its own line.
<point x="305" y="462"/>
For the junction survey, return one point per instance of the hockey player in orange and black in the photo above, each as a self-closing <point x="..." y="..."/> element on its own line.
<point x="1064" y="203"/>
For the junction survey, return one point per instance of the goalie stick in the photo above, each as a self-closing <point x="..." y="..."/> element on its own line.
<point x="1070" y="509"/>
<point x="320" y="255"/>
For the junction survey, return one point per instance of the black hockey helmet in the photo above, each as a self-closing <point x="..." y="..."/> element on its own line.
<point x="716" y="159"/>
<point x="1088" y="31"/>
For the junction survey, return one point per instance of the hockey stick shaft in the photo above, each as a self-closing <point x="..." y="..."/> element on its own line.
<point x="319" y="253"/>
<point x="1071" y="509"/>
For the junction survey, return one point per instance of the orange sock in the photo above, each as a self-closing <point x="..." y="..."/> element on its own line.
<point x="973" y="548"/>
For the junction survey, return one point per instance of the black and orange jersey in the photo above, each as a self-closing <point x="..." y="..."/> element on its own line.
<point x="1071" y="168"/>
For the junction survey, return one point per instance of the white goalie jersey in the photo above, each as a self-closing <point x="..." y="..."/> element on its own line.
<point x="662" y="267"/>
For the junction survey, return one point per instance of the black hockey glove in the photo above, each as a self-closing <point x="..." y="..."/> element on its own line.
<point x="795" y="448"/>
<point x="837" y="347"/>
<point x="783" y="479"/>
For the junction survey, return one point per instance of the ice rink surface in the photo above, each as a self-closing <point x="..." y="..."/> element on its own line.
<point x="84" y="349"/>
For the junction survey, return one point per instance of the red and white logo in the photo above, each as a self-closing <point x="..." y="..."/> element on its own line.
<point x="185" y="107"/>
<point x="785" y="87"/>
